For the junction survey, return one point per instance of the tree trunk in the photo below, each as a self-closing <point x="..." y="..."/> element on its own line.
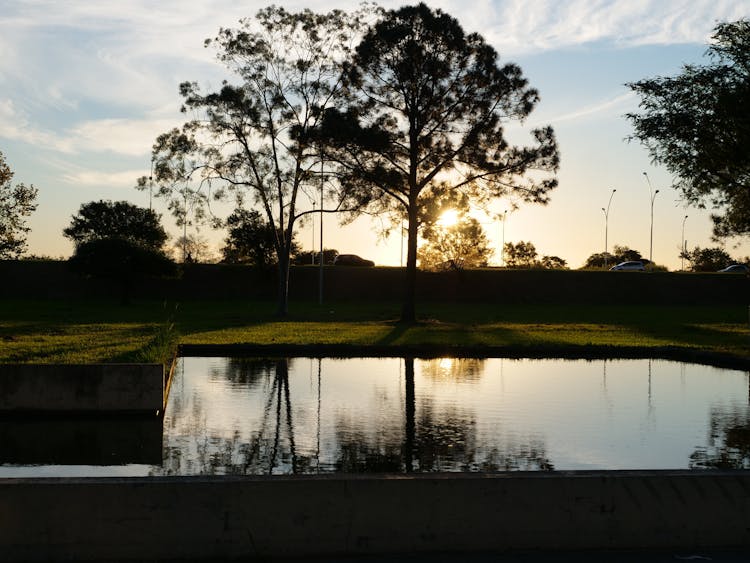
<point x="408" y="311"/>
<point x="282" y="304"/>
<point x="410" y="411"/>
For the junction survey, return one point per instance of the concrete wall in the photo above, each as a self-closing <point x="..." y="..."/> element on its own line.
<point x="82" y="388"/>
<point x="54" y="280"/>
<point x="81" y="440"/>
<point x="172" y="518"/>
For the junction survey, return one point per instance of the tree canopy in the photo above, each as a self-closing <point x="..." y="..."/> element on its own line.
<point x="252" y="137"/>
<point x="250" y="240"/>
<point x="524" y="255"/>
<point x="122" y="220"/>
<point x="460" y="245"/>
<point x="426" y="114"/>
<point x="619" y="254"/>
<point x="16" y="203"/>
<point x="707" y="259"/>
<point x="697" y="124"/>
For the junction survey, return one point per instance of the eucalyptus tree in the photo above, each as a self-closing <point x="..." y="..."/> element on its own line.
<point x="251" y="137"/>
<point x="427" y="111"/>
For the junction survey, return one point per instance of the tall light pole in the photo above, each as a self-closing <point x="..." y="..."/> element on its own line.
<point x="651" y="239"/>
<point x="320" y="275"/>
<point x="402" y="243"/>
<point x="606" y="222"/>
<point x="502" y="248"/>
<point x="312" y="248"/>
<point x="683" y="248"/>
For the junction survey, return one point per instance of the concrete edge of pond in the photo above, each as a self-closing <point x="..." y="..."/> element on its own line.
<point x="355" y="515"/>
<point x="674" y="353"/>
<point x="84" y="388"/>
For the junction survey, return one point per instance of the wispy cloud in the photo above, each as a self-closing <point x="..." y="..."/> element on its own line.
<point x="589" y="111"/>
<point x="126" y="137"/>
<point x="96" y="178"/>
<point x="15" y="125"/>
<point x="107" y="66"/>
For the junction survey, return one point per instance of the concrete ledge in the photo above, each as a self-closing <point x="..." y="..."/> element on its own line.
<point x="173" y="518"/>
<point x="93" y="388"/>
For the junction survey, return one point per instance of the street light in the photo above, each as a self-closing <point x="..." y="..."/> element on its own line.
<point x="312" y="248"/>
<point x="502" y="248"/>
<point x="651" y="239"/>
<point x="606" y="221"/>
<point x="684" y="249"/>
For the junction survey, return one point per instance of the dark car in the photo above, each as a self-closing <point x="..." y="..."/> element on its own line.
<point x="633" y="265"/>
<point x="735" y="269"/>
<point x="352" y="260"/>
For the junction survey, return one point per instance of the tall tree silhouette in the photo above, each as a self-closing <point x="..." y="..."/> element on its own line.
<point x="426" y="114"/>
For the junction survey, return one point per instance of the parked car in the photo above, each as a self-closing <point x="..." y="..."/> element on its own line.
<point x="633" y="265"/>
<point x="735" y="269"/>
<point x="352" y="260"/>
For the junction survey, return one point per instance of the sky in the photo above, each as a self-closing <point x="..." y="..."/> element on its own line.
<point x="86" y="87"/>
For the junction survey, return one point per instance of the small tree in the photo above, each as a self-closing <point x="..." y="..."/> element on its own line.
<point x="461" y="245"/>
<point x="520" y="255"/>
<point x="16" y="203"/>
<point x="118" y="241"/>
<point x="619" y="254"/>
<point x="192" y="248"/>
<point x="251" y="240"/>
<point x="553" y="263"/>
<point x="707" y="259"/>
<point x="312" y="257"/>
<point x="122" y="220"/>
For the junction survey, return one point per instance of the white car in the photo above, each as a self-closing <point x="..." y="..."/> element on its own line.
<point x="634" y="266"/>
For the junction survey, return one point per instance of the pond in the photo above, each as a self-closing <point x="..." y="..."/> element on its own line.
<point x="260" y="416"/>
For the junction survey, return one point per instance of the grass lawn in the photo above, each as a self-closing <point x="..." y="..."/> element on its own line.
<point x="98" y="331"/>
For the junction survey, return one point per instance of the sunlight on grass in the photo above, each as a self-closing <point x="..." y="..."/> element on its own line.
<point x="103" y="332"/>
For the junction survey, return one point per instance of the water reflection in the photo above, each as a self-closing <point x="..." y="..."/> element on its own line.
<point x="271" y="419"/>
<point x="729" y="440"/>
<point x="267" y="416"/>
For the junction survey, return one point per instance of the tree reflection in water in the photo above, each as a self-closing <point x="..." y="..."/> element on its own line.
<point x="729" y="440"/>
<point x="436" y="439"/>
<point x="273" y="434"/>
<point x="271" y="446"/>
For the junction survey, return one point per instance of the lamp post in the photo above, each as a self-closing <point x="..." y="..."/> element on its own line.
<point x="322" y="258"/>
<point x="502" y="248"/>
<point x="312" y="248"/>
<point x="683" y="249"/>
<point x="606" y="223"/>
<point x="651" y="239"/>
<point x="401" y="257"/>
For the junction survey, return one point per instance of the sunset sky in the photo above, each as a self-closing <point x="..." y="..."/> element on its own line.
<point x="87" y="86"/>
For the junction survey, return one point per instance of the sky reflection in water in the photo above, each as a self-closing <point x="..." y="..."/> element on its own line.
<point x="364" y="415"/>
<point x="260" y="416"/>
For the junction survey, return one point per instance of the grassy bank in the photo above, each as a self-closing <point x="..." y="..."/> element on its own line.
<point x="90" y="331"/>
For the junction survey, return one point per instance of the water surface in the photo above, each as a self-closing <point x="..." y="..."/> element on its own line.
<point x="306" y="416"/>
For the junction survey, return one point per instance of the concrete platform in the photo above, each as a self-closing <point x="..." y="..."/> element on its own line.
<point x="82" y="388"/>
<point x="260" y="518"/>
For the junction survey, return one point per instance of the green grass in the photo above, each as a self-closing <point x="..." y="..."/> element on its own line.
<point x="98" y="331"/>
